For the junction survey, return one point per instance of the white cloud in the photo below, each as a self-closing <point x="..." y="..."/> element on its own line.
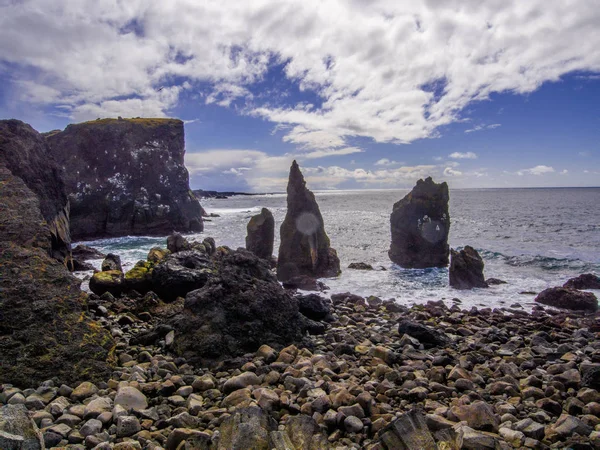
<point x="332" y="152"/>
<point x="450" y="172"/>
<point x="459" y="155"/>
<point x="392" y="71"/>
<point x="386" y="162"/>
<point x="537" y="170"/>
<point x="483" y="127"/>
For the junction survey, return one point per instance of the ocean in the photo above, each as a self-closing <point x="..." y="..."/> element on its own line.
<point x="530" y="238"/>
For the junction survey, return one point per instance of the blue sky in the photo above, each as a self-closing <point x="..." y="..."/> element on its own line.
<point x="364" y="94"/>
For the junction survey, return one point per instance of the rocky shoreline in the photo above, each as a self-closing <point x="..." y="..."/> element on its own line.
<point x="443" y="378"/>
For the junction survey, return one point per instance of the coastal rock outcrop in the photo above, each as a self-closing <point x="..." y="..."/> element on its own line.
<point x="584" y="281"/>
<point x="261" y="234"/>
<point x="466" y="269"/>
<point x="561" y="297"/>
<point x="44" y="330"/>
<point x="126" y="177"/>
<point x="420" y="224"/>
<point x="25" y="153"/>
<point x="305" y="247"/>
<point x="240" y="308"/>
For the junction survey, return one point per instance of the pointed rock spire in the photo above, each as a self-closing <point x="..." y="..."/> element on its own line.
<point x="305" y="249"/>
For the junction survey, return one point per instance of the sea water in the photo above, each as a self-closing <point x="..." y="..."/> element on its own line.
<point x="530" y="238"/>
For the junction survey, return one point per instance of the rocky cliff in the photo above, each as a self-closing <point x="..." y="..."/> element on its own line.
<point x="126" y="177"/>
<point x="24" y="153"/>
<point x="44" y="331"/>
<point x="305" y="249"/>
<point x="420" y="224"/>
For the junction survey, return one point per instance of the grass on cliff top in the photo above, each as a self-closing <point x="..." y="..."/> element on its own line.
<point x="147" y="121"/>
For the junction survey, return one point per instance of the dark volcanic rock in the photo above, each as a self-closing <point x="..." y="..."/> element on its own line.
<point x="424" y="334"/>
<point x="108" y="281"/>
<point x="83" y="253"/>
<point x="560" y="297"/>
<point x="261" y="233"/>
<point x="239" y="309"/>
<point x="585" y="281"/>
<point x="305" y="283"/>
<point x="112" y="262"/>
<point x="314" y="306"/>
<point x="420" y="223"/>
<point x="466" y="269"/>
<point x="494" y="281"/>
<point x="180" y="273"/>
<point x="126" y="177"/>
<point x="17" y="430"/>
<point x="360" y="266"/>
<point x="177" y="243"/>
<point x="44" y="332"/>
<point x="24" y="152"/>
<point x="304" y="248"/>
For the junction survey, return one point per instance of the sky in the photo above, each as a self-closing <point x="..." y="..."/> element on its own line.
<point x="363" y="93"/>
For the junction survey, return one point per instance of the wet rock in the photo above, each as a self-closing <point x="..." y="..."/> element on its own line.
<point x="126" y="177"/>
<point x="494" y="281"/>
<point x="177" y="243"/>
<point x="157" y="254"/>
<point x="305" y="247"/>
<point x="261" y="234"/>
<point x="420" y="223"/>
<point x="360" y="266"/>
<point x="83" y="252"/>
<point x="426" y="335"/>
<point x="585" y="281"/>
<point x="112" y="262"/>
<point x="17" y="430"/>
<point x="305" y="283"/>
<point x="568" y="299"/>
<point x="466" y="269"/>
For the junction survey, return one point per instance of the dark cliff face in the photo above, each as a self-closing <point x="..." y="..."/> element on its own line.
<point x="44" y="332"/>
<point x="305" y="248"/>
<point x="126" y="176"/>
<point x="420" y="224"/>
<point x="24" y="152"/>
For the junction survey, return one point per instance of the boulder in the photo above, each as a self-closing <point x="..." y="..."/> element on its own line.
<point x="305" y="283"/>
<point x="304" y="247"/>
<point x="314" y="306"/>
<point x="407" y="432"/>
<point x="425" y="335"/>
<point x="466" y="269"/>
<point x="177" y="243"/>
<point x="241" y="307"/>
<point x="261" y="234"/>
<point x="42" y="309"/>
<point x="17" y="430"/>
<point x="584" y="281"/>
<point x="420" y="224"/>
<point x="157" y="254"/>
<point x="561" y="297"/>
<point x="139" y="277"/>
<point x="126" y="177"/>
<point x="360" y="266"/>
<point x="112" y="262"/>
<point x="180" y="273"/>
<point x="111" y="281"/>
<point x="84" y="252"/>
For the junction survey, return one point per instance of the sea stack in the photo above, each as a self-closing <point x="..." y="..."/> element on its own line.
<point x="466" y="269"/>
<point x="45" y="332"/>
<point x="304" y="249"/>
<point x="126" y="177"/>
<point x="420" y="223"/>
<point x="261" y="233"/>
